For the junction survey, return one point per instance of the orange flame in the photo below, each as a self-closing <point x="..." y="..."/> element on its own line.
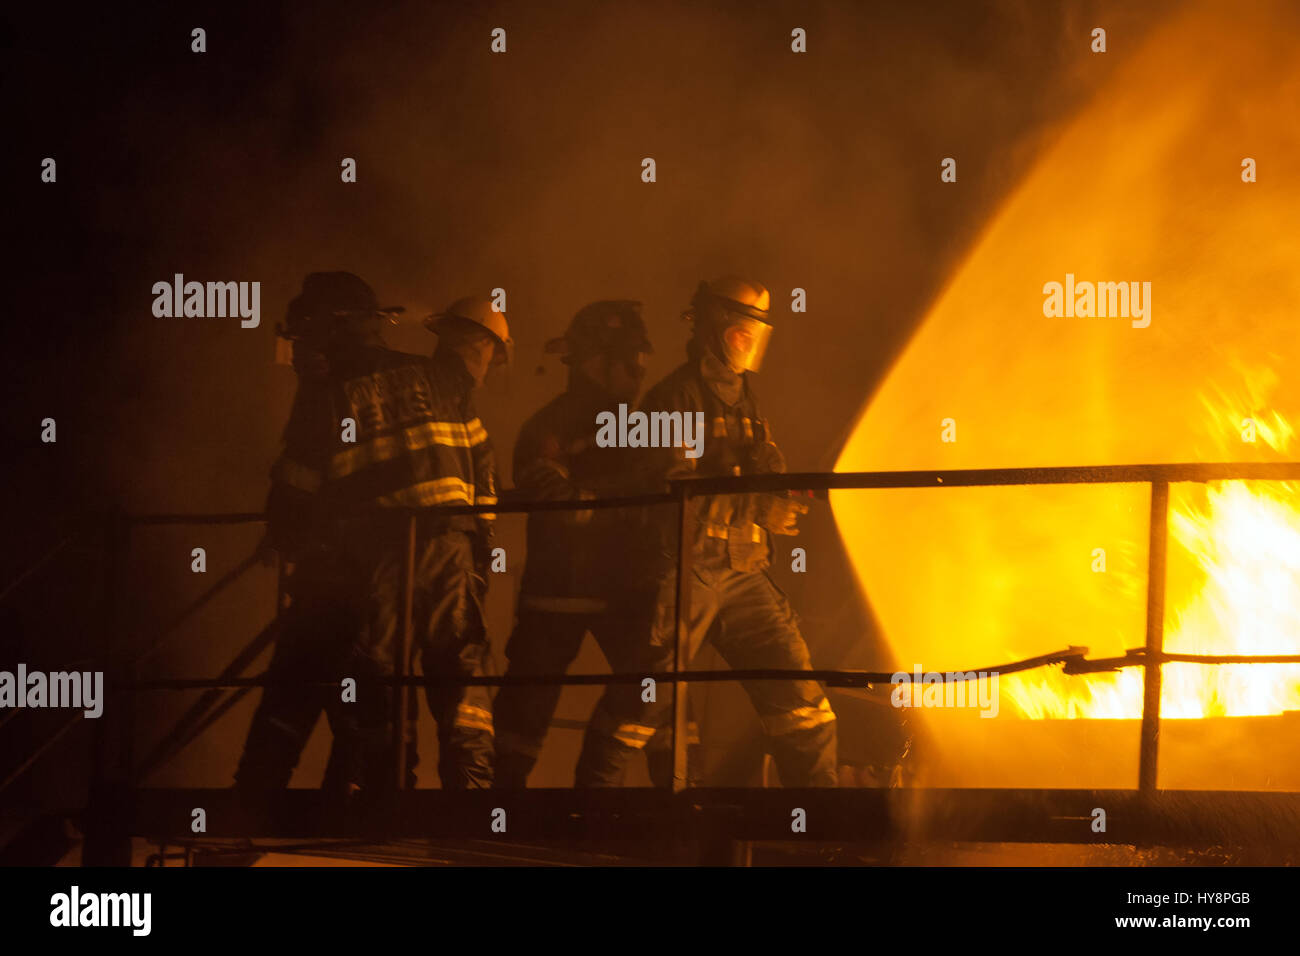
<point x="1144" y="185"/>
<point x="1244" y="540"/>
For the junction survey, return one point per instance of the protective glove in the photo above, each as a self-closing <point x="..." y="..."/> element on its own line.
<point x="778" y="515"/>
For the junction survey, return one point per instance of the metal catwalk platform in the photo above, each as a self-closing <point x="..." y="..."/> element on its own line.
<point x="713" y="825"/>
<point x="682" y="824"/>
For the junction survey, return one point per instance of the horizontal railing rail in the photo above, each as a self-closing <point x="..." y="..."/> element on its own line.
<point x="679" y="493"/>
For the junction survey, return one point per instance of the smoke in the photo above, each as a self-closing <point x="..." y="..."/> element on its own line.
<point x="477" y="171"/>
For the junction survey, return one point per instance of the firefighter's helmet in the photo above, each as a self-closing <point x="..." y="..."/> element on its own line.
<point x="475" y="310"/>
<point x="734" y="315"/>
<point x="611" y="327"/>
<point x="734" y="295"/>
<point x="330" y="303"/>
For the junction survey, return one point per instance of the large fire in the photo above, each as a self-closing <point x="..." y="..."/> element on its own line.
<point x="1242" y="596"/>
<point x="1145" y="184"/>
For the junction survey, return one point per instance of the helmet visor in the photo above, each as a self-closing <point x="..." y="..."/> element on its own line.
<point x="745" y="341"/>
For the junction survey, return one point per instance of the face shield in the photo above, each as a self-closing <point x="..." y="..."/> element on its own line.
<point x="744" y="342"/>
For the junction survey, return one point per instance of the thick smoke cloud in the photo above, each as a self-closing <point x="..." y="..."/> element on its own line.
<point x="476" y="171"/>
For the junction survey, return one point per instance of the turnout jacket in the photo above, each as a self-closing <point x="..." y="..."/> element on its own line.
<point x="737" y="441"/>
<point x="574" y="557"/>
<point x="417" y="442"/>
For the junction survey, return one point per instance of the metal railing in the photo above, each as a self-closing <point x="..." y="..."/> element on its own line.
<point x="1150" y="656"/>
<point x="1159" y="477"/>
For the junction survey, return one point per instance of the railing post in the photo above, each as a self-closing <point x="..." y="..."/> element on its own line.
<point x="681" y="643"/>
<point x="108" y="840"/>
<point x="403" y="730"/>
<point x="1155" y="638"/>
<point x="281" y="585"/>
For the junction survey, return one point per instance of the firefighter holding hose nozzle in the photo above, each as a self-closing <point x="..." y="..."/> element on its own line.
<point x="732" y="596"/>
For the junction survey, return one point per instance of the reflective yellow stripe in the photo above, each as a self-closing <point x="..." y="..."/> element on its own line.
<point x="801" y="718"/>
<point x="477" y="433"/>
<point x="425" y="435"/>
<point x="436" y="492"/>
<point x="486" y="500"/>
<point x="634" y="735"/>
<point x="297" y="475"/>
<point x="719" y="428"/>
<point x="726" y="531"/>
<point x="467" y="715"/>
<point x="692" y="734"/>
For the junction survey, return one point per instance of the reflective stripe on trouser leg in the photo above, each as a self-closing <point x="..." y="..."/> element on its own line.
<point x="606" y="746"/>
<point x="448" y="624"/>
<point x="627" y="732"/>
<point x="806" y="757"/>
<point x="801" y="718"/>
<point x="475" y="718"/>
<point x="465" y="736"/>
<point x="760" y="630"/>
<point x="465" y="739"/>
<point x="635" y="736"/>
<point x="624" y="721"/>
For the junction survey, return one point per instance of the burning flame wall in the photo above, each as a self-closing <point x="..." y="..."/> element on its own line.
<point x="1144" y="186"/>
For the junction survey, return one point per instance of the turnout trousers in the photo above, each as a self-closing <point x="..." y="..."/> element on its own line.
<point x="449" y="636"/>
<point x="545" y="641"/>
<point x="343" y="623"/>
<point x="313" y="654"/>
<point x="753" y="627"/>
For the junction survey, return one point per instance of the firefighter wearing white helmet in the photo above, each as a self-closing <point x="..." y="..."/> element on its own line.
<point x="731" y="544"/>
<point x="453" y="552"/>
<point x="476" y="332"/>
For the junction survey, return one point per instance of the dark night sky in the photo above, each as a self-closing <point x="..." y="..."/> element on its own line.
<point x="475" y="171"/>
